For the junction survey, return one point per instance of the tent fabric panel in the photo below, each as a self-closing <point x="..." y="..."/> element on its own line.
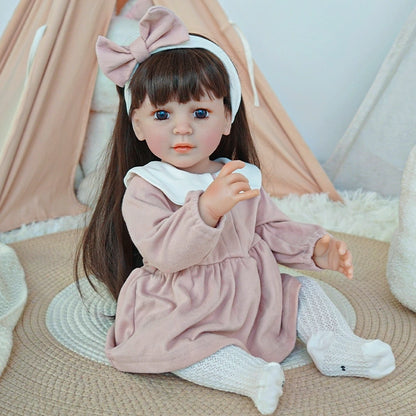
<point x="381" y="135"/>
<point x="46" y="133"/>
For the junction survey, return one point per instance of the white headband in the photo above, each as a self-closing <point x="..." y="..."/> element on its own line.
<point x="199" y="42"/>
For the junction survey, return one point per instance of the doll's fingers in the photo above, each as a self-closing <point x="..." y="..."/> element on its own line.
<point x="252" y="193"/>
<point x="230" y="167"/>
<point x="347" y="271"/>
<point x="240" y="187"/>
<point x="347" y="259"/>
<point x="236" y="178"/>
<point x="342" y="247"/>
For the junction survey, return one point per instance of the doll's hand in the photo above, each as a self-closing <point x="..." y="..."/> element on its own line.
<point x="225" y="191"/>
<point x="330" y="253"/>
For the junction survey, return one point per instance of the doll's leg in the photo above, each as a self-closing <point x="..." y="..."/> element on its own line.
<point x="331" y="343"/>
<point x="233" y="369"/>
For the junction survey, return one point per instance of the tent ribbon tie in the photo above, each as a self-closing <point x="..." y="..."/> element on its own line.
<point x="34" y="47"/>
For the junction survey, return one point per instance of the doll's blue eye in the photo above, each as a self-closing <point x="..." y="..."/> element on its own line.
<point x="201" y="113"/>
<point x="161" y="115"/>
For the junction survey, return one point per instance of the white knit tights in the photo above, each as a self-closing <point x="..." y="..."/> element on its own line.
<point x="334" y="348"/>
<point x="233" y="369"/>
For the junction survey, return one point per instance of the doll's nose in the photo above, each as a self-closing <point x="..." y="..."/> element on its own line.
<point x="182" y="127"/>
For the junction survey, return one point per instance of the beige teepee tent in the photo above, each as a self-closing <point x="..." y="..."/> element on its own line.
<point x="44" y="108"/>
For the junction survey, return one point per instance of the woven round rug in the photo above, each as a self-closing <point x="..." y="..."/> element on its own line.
<point x="81" y="323"/>
<point x="44" y="377"/>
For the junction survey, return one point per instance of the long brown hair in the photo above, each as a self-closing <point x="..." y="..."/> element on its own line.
<point x="106" y="250"/>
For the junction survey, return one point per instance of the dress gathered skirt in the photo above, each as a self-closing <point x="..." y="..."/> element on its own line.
<point x="202" y="288"/>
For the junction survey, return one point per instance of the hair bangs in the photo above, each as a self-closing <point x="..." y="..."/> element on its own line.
<point x="180" y="75"/>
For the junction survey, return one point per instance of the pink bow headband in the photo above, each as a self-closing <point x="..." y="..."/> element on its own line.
<point x="160" y="29"/>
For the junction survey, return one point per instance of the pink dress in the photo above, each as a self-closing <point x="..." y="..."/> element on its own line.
<point x="203" y="288"/>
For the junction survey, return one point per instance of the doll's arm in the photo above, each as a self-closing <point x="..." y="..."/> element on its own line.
<point x="227" y="190"/>
<point x="332" y="254"/>
<point x="298" y="245"/>
<point x="169" y="238"/>
<point x="291" y="242"/>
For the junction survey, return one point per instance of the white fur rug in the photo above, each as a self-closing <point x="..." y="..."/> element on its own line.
<point x="366" y="214"/>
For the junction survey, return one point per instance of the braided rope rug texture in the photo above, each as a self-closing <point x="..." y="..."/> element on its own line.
<point x="43" y="377"/>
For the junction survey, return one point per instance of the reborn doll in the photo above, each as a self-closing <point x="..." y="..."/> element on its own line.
<point x="190" y="244"/>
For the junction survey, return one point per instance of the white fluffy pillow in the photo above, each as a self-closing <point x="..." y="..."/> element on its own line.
<point x="401" y="265"/>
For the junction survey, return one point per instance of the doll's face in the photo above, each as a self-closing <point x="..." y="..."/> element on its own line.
<point x="183" y="134"/>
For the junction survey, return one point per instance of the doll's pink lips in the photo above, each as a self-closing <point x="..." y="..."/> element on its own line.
<point x="183" y="147"/>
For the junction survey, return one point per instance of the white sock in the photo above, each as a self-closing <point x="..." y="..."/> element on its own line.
<point x="234" y="370"/>
<point x="333" y="346"/>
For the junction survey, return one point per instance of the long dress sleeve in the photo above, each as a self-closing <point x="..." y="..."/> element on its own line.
<point x="291" y="242"/>
<point x="169" y="237"/>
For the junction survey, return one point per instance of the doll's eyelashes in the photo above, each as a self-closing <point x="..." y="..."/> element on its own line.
<point x="161" y="115"/>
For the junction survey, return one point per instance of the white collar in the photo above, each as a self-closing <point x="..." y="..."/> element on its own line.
<point x="176" y="183"/>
